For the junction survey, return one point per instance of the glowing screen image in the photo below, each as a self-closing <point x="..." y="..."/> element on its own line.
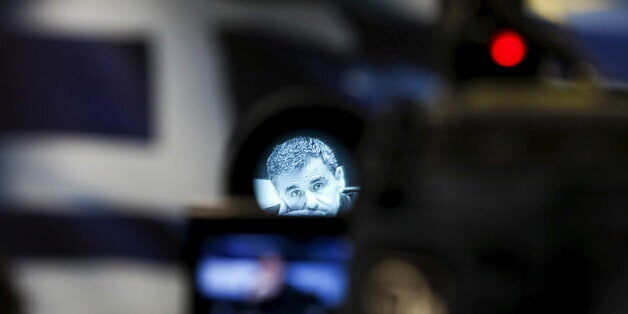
<point x="306" y="176"/>
<point x="268" y="273"/>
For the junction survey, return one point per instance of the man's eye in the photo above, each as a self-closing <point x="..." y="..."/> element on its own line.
<point x="317" y="186"/>
<point x="295" y="193"/>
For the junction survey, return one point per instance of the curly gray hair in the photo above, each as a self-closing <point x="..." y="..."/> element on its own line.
<point x="296" y="153"/>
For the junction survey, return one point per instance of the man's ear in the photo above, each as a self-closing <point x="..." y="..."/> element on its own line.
<point x="340" y="177"/>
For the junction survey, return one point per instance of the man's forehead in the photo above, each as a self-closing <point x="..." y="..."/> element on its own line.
<point x="313" y="170"/>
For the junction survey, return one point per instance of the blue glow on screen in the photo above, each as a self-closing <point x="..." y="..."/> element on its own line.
<point x="229" y="268"/>
<point x="328" y="281"/>
<point x="226" y="279"/>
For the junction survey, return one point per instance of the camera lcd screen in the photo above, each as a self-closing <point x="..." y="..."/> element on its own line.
<point x="306" y="173"/>
<point x="273" y="273"/>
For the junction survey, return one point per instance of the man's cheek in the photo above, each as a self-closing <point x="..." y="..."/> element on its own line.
<point x="325" y="200"/>
<point x="295" y="204"/>
<point x="330" y="190"/>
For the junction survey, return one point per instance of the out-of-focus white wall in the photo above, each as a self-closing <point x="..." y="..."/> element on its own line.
<point x="192" y="118"/>
<point x="102" y="286"/>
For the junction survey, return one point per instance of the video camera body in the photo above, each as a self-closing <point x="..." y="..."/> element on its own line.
<point x="522" y="208"/>
<point x="503" y="196"/>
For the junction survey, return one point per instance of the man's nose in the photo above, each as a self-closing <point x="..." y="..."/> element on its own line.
<point x="310" y="200"/>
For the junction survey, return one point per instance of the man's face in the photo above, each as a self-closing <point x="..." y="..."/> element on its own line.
<point x="313" y="190"/>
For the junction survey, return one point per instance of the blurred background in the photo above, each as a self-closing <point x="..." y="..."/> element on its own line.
<point x="118" y="116"/>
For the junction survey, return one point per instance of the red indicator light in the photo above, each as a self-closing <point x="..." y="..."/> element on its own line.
<point x="507" y="48"/>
